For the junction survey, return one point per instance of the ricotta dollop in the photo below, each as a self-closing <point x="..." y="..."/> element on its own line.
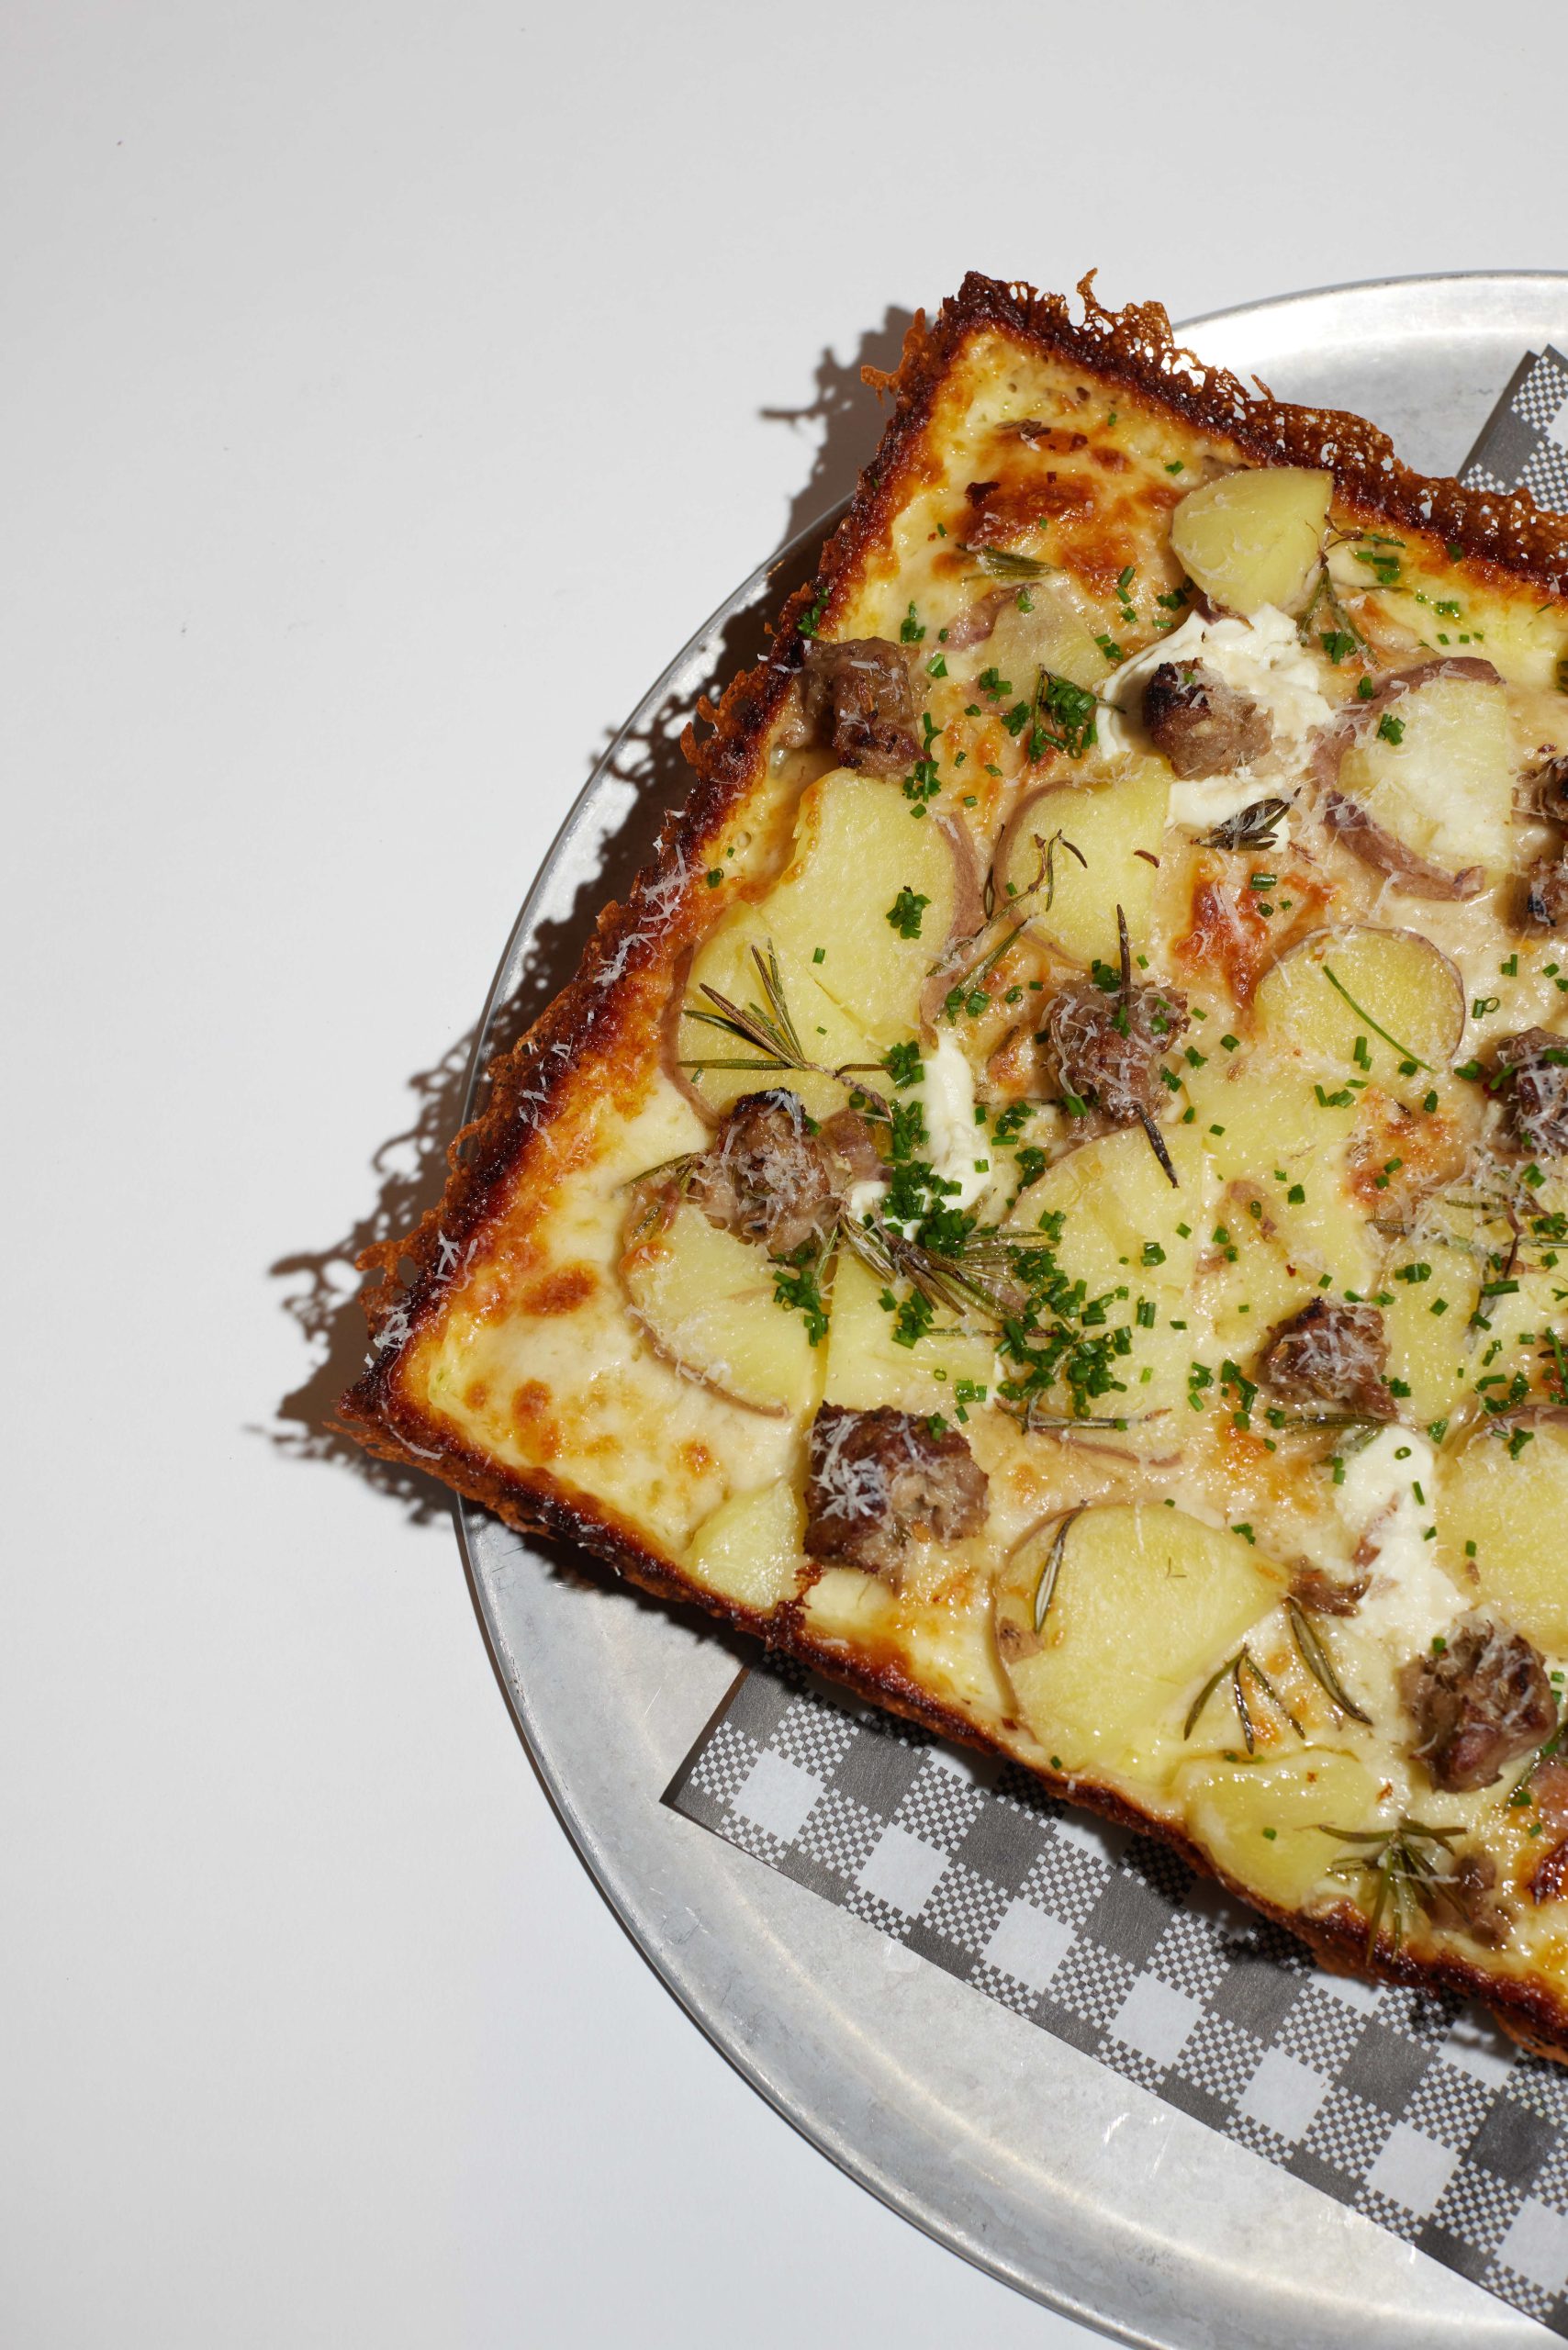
<point x="1262" y="659"/>
<point x="1410" y="1600"/>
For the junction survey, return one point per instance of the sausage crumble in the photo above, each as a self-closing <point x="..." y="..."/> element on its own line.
<point x="1483" y="1703"/>
<point x="878" y="1480"/>
<point x="1202" y="725"/>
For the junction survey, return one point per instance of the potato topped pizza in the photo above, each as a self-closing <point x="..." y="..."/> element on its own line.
<point x="1051" y="1200"/>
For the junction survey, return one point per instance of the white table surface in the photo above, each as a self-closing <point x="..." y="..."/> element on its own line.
<point x="388" y="391"/>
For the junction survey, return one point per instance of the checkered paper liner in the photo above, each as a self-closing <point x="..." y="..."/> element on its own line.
<point x="1413" y="2109"/>
<point x="1525" y="443"/>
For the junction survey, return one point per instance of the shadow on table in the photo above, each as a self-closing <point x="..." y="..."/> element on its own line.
<point x="408" y="1170"/>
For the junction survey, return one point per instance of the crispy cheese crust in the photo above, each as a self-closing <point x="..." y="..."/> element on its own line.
<point x="505" y="1357"/>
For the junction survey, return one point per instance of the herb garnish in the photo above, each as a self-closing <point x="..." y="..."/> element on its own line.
<point x="1402" y="1863"/>
<point x="1045" y="1590"/>
<point x="1319" y="1663"/>
<point x="907" y="911"/>
<point x="770" y="1031"/>
<point x="1360" y="1009"/>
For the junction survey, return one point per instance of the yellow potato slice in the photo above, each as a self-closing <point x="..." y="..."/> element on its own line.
<point x="859" y="848"/>
<point x="1410" y="1000"/>
<point x="1052" y="634"/>
<point x="749" y="1550"/>
<point x="1254" y="538"/>
<point x="844" y="1603"/>
<point x="1437" y="773"/>
<point x="1120" y="1216"/>
<point x="1264" y="1128"/>
<point x="726" y="961"/>
<point x="1262" y="1822"/>
<point x="1145" y="1603"/>
<point x="866" y="1367"/>
<point x="1426" y="1349"/>
<point x="1116" y="828"/>
<point x="1514" y="1510"/>
<point x="705" y="1298"/>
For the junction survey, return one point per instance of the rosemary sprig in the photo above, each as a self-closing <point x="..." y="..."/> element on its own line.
<point x="678" y="1166"/>
<point x="1325" y="592"/>
<point x="769" y="1029"/>
<point x="1362" y="1014"/>
<point x="1045" y="878"/>
<point x="1028" y="1410"/>
<point x="1320" y="1663"/>
<point x="1401" y="1865"/>
<point x="1329" y="1420"/>
<point x="966" y="1285"/>
<point x="1045" y="1590"/>
<point x="1237" y="1667"/>
<point x="1252" y="827"/>
<point x="1145" y="1117"/>
<point x="1001" y="562"/>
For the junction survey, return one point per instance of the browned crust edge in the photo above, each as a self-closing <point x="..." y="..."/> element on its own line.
<point x="1132" y="349"/>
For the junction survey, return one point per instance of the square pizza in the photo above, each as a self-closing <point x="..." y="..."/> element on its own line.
<point x="1049" y="1200"/>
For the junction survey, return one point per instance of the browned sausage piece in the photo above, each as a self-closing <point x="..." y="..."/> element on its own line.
<point x="1203" y="726"/>
<point x="1548" y="785"/>
<point x="1532" y="1081"/>
<point x="857" y="695"/>
<point x="773" y="1177"/>
<point x="1331" y="1352"/>
<point x="1546" y="892"/>
<point x="1483" y="1703"/>
<point x="1322" y="1594"/>
<point x="1466" y="1900"/>
<point x="878" y="1479"/>
<point x="1107" y="1048"/>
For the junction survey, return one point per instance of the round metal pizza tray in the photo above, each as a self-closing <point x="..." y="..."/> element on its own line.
<point x="1019" y="2153"/>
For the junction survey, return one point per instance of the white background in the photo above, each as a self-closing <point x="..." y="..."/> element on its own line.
<point x="386" y="397"/>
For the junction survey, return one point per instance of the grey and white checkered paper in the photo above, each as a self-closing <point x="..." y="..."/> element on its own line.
<point x="1525" y="444"/>
<point x="1412" y="2109"/>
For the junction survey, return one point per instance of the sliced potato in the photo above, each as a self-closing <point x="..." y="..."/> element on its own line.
<point x="1052" y="634"/>
<point x="859" y="848"/>
<point x="1437" y="773"/>
<point x="1145" y="1604"/>
<point x="1115" y="827"/>
<point x="1247" y="1293"/>
<point x="1404" y="987"/>
<point x="1514" y="1510"/>
<point x="750" y="1549"/>
<point x="1120" y="1228"/>
<point x="845" y="1604"/>
<point x="1265" y="1128"/>
<point x="724" y="961"/>
<point x="1117" y="1207"/>
<point x="1262" y="1822"/>
<point x="1254" y="538"/>
<point x="867" y="1368"/>
<point x="1426" y="1348"/>
<point x="706" y="1300"/>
